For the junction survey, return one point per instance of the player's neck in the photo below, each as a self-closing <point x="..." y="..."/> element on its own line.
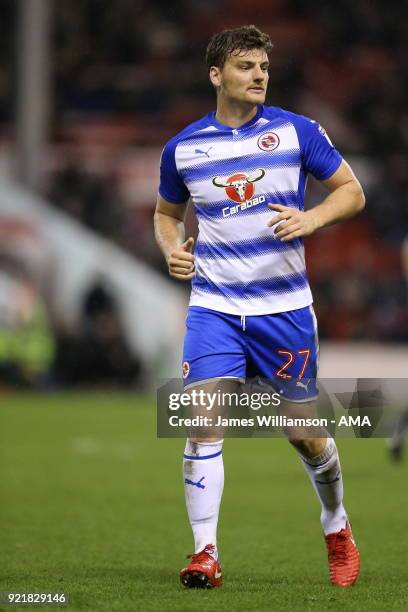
<point x="234" y="114"/>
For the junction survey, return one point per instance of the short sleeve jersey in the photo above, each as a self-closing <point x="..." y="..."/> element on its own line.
<point x="231" y="175"/>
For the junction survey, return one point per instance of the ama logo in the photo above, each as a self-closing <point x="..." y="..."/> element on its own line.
<point x="269" y="141"/>
<point x="240" y="186"/>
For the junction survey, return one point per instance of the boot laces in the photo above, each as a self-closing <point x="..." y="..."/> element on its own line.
<point x="338" y="549"/>
<point x="209" y="550"/>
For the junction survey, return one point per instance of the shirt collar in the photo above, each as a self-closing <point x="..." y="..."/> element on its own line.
<point x="221" y="126"/>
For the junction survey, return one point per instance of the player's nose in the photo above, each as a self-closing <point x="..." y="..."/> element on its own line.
<point x="258" y="74"/>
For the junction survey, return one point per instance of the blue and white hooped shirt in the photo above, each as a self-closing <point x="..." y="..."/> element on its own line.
<point x="231" y="175"/>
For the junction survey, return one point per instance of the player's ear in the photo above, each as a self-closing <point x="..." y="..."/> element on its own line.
<point x="215" y="76"/>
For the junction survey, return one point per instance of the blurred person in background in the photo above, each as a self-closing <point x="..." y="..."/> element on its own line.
<point x="96" y="353"/>
<point x="245" y="168"/>
<point x="27" y="344"/>
<point x="400" y="432"/>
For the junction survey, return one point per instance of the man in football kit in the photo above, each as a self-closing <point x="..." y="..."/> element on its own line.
<point x="245" y="168"/>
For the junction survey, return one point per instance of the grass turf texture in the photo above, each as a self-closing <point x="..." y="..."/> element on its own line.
<point x="92" y="504"/>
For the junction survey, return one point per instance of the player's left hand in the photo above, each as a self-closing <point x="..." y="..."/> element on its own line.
<point x="294" y="223"/>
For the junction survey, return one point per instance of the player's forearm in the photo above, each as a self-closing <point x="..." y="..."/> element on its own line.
<point x="342" y="203"/>
<point x="169" y="233"/>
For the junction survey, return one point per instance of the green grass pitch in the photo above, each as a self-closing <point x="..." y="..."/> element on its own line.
<point x="91" y="503"/>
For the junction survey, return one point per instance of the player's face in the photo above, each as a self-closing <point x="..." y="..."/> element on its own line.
<point x="244" y="77"/>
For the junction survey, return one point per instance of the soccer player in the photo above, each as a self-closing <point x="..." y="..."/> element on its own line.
<point x="245" y="169"/>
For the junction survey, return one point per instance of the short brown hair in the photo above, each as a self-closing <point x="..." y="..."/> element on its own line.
<point x="240" y="39"/>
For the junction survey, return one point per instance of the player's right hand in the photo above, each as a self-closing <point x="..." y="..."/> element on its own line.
<point x="181" y="261"/>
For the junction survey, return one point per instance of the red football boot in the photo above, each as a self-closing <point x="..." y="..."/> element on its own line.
<point x="344" y="558"/>
<point x="203" y="572"/>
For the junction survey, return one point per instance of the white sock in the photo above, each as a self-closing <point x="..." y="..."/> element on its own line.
<point x="203" y="476"/>
<point x="325" y="473"/>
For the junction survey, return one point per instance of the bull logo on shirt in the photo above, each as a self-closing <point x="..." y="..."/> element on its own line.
<point x="240" y="186"/>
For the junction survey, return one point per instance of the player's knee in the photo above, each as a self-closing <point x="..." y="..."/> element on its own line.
<point x="310" y="447"/>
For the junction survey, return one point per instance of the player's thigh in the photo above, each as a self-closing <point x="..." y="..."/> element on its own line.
<point x="214" y="347"/>
<point x="210" y="403"/>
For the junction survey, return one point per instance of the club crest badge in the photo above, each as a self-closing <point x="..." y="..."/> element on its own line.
<point x="185" y="369"/>
<point x="269" y="141"/>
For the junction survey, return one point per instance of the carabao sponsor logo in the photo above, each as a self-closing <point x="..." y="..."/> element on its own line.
<point x="228" y="211"/>
<point x="240" y="187"/>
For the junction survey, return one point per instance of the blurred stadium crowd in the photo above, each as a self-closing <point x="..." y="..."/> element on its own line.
<point x="128" y="75"/>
